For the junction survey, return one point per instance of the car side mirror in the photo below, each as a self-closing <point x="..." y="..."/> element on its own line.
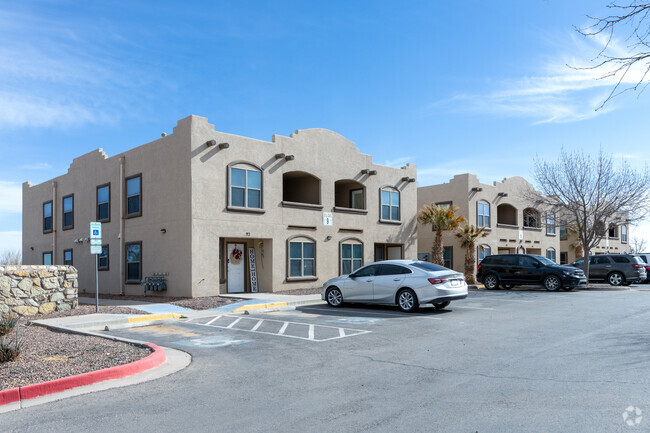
<point x="538" y="265"/>
<point x="352" y="276"/>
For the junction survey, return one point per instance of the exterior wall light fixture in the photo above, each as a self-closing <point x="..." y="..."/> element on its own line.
<point x="289" y="158"/>
<point x="163" y="230"/>
<point x="279" y="155"/>
<point x="328" y="238"/>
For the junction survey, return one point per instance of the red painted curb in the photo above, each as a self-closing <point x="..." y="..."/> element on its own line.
<point x="58" y="385"/>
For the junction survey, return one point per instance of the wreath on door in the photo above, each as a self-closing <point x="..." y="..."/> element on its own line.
<point x="235" y="256"/>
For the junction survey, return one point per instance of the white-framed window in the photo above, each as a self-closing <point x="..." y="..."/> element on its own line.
<point x="550" y="223"/>
<point x="245" y="187"/>
<point x="302" y="258"/>
<point x="483" y="213"/>
<point x="483" y="251"/>
<point x="390" y="204"/>
<point x="623" y="233"/>
<point x="351" y="256"/>
<point x="550" y="254"/>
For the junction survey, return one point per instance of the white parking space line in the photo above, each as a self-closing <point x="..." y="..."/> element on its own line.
<point x="254" y="327"/>
<point x="473" y="308"/>
<point x="341" y="332"/>
<point x="234" y="323"/>
<point x="284" y="328"/>
<point x="210" y="322"/>
<point x="311" y="332"/>
<point x="373" y="313"/>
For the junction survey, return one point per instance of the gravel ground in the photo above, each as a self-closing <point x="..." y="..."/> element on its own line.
<point x="193" y="303"/>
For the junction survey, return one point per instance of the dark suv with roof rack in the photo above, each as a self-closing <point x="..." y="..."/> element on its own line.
<point x="509" y="270"/>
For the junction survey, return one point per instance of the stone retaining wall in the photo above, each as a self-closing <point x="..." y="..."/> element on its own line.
<point x="30" y="290"/>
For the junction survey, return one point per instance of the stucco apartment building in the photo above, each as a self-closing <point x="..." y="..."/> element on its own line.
<point x="216" y="213"/>
<point x="512" y="223"/>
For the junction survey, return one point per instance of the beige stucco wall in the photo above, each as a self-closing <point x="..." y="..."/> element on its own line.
<point x="322" y="153"/>
<point x="165" y="188"/>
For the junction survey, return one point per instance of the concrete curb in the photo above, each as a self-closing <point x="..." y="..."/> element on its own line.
<point x="17" y="395"/>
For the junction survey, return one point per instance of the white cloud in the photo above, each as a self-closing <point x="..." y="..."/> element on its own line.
<point x="10" y="241"/>
<point x="564" y="92"/>
<point x="11" y="197"/>
<point x="398" y="162"/>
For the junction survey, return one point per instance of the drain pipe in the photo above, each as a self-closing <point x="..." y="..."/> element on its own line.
<point x="54" y="207"/>
<point x="122" y="226"/>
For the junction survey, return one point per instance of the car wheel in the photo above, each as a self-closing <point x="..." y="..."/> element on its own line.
<point x="334" y="297"/>
<point x="552" y="283"/>
<point x="615" y="279"/>
<point x="508" y="286"/>
<point x="491" y="282"/>
<point x="441" y="305"/>
<point x="407" y="301"/>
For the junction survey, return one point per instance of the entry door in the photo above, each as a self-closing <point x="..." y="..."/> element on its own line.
<point x="236" y="268"/>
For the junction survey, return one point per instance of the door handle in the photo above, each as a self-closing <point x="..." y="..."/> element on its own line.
<point x="368" y="281"/>
<point x="396" y="279"/>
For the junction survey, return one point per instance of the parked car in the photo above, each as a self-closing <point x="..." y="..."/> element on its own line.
<point x="646" y="260"/>
<point x="508" y="270"/>
<point x="616" y="269"/>
<point x="405" y="283"/>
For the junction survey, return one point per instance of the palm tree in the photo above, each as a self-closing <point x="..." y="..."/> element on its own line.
<point x="468" y="235"/>
<point x="441" y="218"/>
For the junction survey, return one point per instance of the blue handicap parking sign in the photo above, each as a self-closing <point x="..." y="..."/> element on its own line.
<point x="95" y="232"/>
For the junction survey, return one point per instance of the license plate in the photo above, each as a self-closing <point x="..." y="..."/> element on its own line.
<point x="454" y="283"/>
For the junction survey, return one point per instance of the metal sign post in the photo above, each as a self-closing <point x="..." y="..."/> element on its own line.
<point x="96" y="249"/>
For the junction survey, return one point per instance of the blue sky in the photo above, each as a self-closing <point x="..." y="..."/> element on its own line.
<point x="480" y="87"/>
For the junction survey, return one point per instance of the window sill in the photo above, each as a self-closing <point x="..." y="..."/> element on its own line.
<point x="551" y="234"/>
<point x="47" y="232"/>
<point x="133" y="215"/>
<point x="350" y="210"/>
<point x="245" y="209"/>
<point x="104" y="221"/>
<point x="291" y="279"/>
<point x="298" y="205"/>
<point x="138" y="282"/>
<point x="486" y="228"/>
<point x="67" y="228"/>
<point x="535" y="229"/>
<point x="507" y="226"/>
<point x="397" y="223"/>
<point x="613" y="238"/>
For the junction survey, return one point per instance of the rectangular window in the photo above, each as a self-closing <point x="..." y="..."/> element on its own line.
<point x="67" y="257"/>
<point x="390" y="205"/>
<point x="351" y="258"/>
<point x="356" y="199"/>
<point x="47" y="258"/>
<point x="550" y="254"/>
<point x="245" y="188"/>
<point x="447" y="256"/>
<point x="134" y="196"/>
<point x="104" y="203"/>
<point x="483" y="251"/>
<point x="133" y="262"/>
<point x="103" y="264"/>
<point x="68" y="212"/>
<point x="302" y="259"/>
<point x="563" y="233"/>
<point x="47" y="217"/>
<point x="623" y="233"/>
<point x="483" y="212"/>
<point x="550" y="224"/>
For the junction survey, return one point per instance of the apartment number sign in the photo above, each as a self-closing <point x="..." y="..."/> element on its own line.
<point x="328" y="218"/>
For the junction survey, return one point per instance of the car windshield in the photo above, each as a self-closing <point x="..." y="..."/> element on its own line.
<point x="429" y="267"/>
<point x="544" y="260"/>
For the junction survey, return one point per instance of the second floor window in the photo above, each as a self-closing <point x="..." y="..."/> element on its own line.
<point x="47" y="217"/>
<point x="68" y="212"/>
<point x="245" y="188"/>
<point x="104" y="203"/>
<point x="389" y="205"/>
<point x="134" y="196"/>
<point x="550" y="224"/>
<point x="483" y="214"/>
<point x="623" y="233"/>
<point x="563" y="233"/>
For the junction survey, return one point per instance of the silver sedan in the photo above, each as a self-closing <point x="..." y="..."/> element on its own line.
<point x="405" y="283"/>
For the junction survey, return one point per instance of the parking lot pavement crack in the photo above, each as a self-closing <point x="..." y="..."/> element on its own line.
<point x="495" y="376"/>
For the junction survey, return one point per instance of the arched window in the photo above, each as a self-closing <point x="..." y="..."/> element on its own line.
<point x="389" y="204"/>
<point x="550" y="254"/>
<point x="531" y="218"/>
<point x="349" y="194"/>
<point x="351" y="255"/>
<point x="300" y="187"/>
<point x="484" y="250"/>
<point x="482" y="213"/>
<point x="506" y="214"/>
<point x="244" y="186"/>
<point x="301" y="257"/>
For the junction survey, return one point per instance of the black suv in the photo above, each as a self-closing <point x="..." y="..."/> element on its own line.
<point x="509" y="270"/>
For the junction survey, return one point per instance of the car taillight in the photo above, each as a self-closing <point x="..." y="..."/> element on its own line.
<point x="437" y="280"/>
<point x="479" y="267"/>
<point x="638" y="266"/>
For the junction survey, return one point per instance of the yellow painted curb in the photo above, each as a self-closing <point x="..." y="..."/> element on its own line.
<point x="259" y="306"/>
<point x="148" y="317"/>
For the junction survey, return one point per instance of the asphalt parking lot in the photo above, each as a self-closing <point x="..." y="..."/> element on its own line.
<point x="498" y="361"/>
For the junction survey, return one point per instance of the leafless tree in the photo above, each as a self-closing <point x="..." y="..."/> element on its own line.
<point x="632" y="19"/>
<point x="10" y="257"/>
<point x="637" y="245"/>
<point x="590" y="193"/>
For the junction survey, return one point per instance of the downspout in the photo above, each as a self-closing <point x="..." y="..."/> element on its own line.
<point x="54" y="211"/>
<point x="122" y="226"/>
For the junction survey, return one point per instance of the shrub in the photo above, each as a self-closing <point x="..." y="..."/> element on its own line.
<point x="9" y="351"/>
<point x="7" y="323"/>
